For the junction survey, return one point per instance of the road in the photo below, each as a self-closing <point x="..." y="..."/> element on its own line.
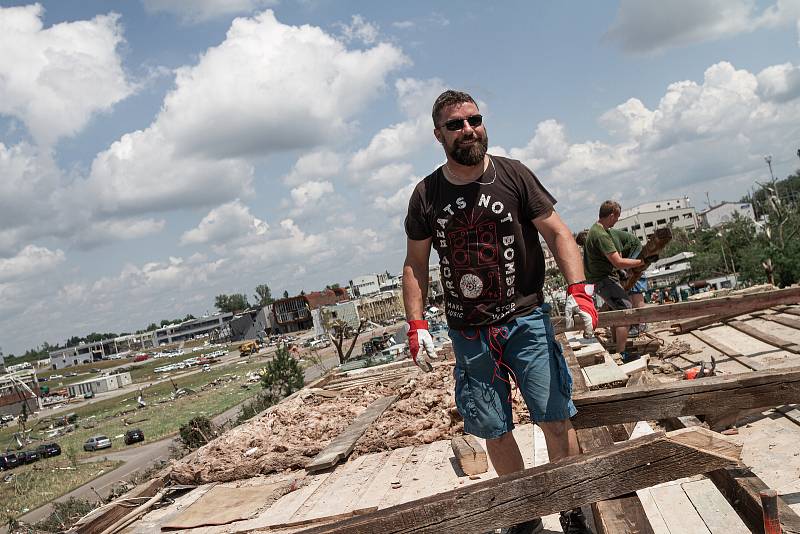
<point x="142" y="457"/>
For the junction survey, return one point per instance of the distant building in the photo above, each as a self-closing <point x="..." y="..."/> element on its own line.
<point x="382" y="307"/>
<point x="98" y="350"/>
<point x="669" y="271"/>
<point x="292" y="314"/>
<point x="102" y="384"/>
<point x="725" y="213"/>
<point x="252" y="324"/>
<point x="643" y="220"/>
<point x="367" y="284"/>
<point x="18" y="389"/>
<point x="202" y="326"/>
<point x="326" y="297"/>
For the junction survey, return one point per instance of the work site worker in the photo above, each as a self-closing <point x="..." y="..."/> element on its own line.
<point x="629" y="246"/>
<point x="603" y="261"/>
<point x="483" y="214"/>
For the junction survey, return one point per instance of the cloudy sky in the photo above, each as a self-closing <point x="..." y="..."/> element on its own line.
<point x="156" y="153"/>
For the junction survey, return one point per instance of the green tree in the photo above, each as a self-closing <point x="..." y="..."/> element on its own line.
<point x="282" y="376"/>
<point x="263" y="295"/>
<point x="197" y="432"/>
<point x="231" y="303"/>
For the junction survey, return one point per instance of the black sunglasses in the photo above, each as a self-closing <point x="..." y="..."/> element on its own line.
<point x="457" y="124"/>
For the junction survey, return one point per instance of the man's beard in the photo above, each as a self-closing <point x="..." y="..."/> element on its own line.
<point x="470" y="155"/>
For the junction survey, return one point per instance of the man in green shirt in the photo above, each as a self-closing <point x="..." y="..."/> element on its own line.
<point x="603" y="258"/>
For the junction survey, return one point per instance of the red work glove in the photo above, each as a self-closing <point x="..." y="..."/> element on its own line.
<point x="420" y="343"/>
<point x="579" y="300"/>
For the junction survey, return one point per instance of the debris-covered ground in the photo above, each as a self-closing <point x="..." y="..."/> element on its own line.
<point x="294" y="431"/>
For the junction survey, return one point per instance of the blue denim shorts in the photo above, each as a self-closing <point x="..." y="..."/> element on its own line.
<point x="487" y="359"/>
<point x="640" y="286"/>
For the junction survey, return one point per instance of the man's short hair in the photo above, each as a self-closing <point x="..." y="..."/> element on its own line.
<point x="608" y="207"/>
<point x="447" y="99"/>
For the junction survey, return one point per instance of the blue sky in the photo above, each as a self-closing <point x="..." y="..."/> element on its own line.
<point x="156" y="153"/>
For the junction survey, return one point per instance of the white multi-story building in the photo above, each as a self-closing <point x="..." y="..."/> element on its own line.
<point x="643" y="220"/>
<point x="367" y="284"/>
<point x="726" y="212"/>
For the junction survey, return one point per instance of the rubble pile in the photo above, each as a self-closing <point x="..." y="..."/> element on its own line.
<point x="287" y="437"/>
<point x="424" y="412"/>
<point x="673" y="349"/>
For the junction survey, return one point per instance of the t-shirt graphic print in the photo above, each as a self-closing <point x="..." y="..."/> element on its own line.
<point x="491" y="262"/>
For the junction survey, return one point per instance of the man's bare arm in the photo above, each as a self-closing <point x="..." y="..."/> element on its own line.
<point x="415" y="277"/>
<point x="623" y="263"/>
<point x="559" y="238"/>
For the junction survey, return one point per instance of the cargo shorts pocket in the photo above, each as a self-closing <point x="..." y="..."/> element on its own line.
<point x="465" y="402"/>
<point x="564" y="375"/>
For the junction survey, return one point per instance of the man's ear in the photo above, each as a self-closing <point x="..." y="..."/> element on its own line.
<point x="438" y="135"/>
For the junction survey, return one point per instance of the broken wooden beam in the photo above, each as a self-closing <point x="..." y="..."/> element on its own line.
<point x="722" y="306"/>
<point x="607" y="473"/>
<point x="652" y="249"/>
<point x="621" y="515"/>
<point x="731" y="353"/>
<point x="765" y="337"/>
<point x="712" y="396"/>
<point x="741" y="488"/>
<point x="342" y="445"/>
<point x="470" y="455"/>
<point x="100" y="519"/>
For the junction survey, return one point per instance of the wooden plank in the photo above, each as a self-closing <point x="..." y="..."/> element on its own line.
<point x="636" y="366"/>
<point x="342" y="445"/>
<point x="541" y="491"/>
<point x="760" y="335"/>
<point x="225" y="504"/>
<point x="650" y="507"/>
<point x="717" y="513"/>
<point x="578" y="381"/>
<point x="731" y="353"/>
<point x="739" y="304"/>
<point x="381" y="483"/>
<point x="604" y="375"/>
<point x="791" y="322"/>
<point x="677" y="510"/>
<point x="741" y="487"/>
<point x="623" y="514"/>
<point x="285" y="507"/>
<point x="591" y="355"/>
<point x="712" y="396"/>
<point x="688" y="325"/>
<point x="100" y="519"/>
<point x="653" y="248"/>
<point x="469" y="454"/>
<point x="405" y="477"/>
<point x="791" y="311"/>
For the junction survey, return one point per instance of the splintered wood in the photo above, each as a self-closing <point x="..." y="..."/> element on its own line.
<point x="470" y="455"/>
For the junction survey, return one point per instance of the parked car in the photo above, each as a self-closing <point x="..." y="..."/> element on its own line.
<point x="48" y="450"/>
<point x="6" y="418"/>
<point x="133" y="436"/>
<point x="97" y="442"/>
<point x="9" y="460"/>
<point x="141" y="357"/>
<point x="29" y="457"/>
<point x="88" y="395"/>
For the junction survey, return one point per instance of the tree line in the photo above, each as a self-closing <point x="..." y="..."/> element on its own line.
<point x="767" y="251"/>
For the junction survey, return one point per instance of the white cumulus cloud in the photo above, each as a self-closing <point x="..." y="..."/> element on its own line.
<point x="30" y="262"/>
<point x="648" y="26"/>
<point x="54" y="79"/>
<point x="232" y="220"/>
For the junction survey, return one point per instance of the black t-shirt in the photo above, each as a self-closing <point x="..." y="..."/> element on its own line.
<point x="491" y="262"/>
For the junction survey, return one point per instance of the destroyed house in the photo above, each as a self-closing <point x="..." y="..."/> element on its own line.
<point x="292" y="314"/>
<point x="382" y="449"/>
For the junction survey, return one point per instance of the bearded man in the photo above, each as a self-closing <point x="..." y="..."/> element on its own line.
<point x="483" y="214"/>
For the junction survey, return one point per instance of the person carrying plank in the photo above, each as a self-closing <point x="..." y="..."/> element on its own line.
<point x="603" y="261"/>
<point x="483" y="214"/>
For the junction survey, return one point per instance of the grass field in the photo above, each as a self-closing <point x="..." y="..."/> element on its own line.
<point x="161" y="417"/>
<point x="30" y="486"/>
